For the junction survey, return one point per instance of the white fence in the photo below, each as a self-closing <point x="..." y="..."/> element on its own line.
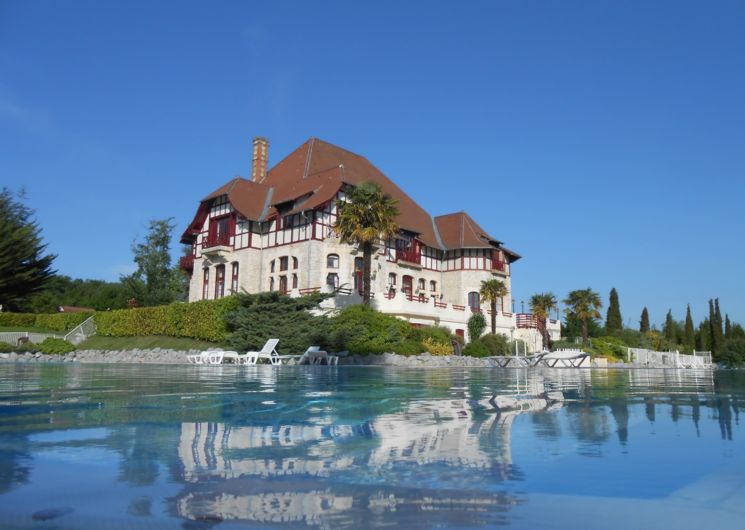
<point x="669" y="359"/>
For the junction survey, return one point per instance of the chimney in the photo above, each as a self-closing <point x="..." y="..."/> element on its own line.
<point x="260" y="159"/>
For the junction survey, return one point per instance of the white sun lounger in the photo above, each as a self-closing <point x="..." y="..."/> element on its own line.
<point x="207" y="357"/>
<point x="268" y="352"/>
<point x="565" y="359"/>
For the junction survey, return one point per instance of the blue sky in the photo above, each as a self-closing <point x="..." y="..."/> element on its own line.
<point x="602" y="140"/>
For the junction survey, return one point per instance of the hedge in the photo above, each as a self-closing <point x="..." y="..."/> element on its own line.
<point x="204" y="320"/>
<point x="53" y="321"/>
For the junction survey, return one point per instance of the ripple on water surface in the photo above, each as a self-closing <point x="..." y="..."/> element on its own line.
<point x="126" y="446"/>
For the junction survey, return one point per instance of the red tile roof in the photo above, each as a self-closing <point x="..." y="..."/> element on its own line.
<point x="312" y="174"/>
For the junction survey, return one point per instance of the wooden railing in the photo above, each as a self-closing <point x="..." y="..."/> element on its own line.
<point x="459" y="307"/>
<point x="216" y="240"/>
<point x="413" y="255"/>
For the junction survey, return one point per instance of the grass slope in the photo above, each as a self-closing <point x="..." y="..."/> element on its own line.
<point x="99" y="342"/>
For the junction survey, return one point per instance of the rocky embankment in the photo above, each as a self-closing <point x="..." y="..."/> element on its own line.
<point x="164" y="356"/>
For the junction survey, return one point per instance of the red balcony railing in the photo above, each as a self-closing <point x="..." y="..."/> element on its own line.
<point x="498" y="265"/>
<point x="186" y="263"/>
<point x="216" y="240"/>
<point x="411" y="255"/>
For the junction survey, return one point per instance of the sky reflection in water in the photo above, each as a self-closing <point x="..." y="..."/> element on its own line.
<point x="92" y="446"/>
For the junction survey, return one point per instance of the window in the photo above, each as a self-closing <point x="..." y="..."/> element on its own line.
<point x="332" y="261"/>
<point x="391" y="279"/>
<point x="234" y="278"/>
<point x="219" y="281"/>
<point x="294" y="262"/>
<point x="206" y="285"/>
<point x="219" y="231"/>
<point x="332" y="280"/>
<point x="421" y="284"/>
<point x="283" y="284"/>
<point x="271" y="266"/>
<point x="407" y="284"/>
<point x="271" y="284"/>
<point x="433" y="286"/>
<point x="474" y="301"/>
<point x="284" y="263"/>
<point x="294" y="281"/>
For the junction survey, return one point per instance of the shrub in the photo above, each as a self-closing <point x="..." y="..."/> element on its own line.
<point x="476" y="326"/>
<point x="17" y="320"/>
<point x="203" y="320"/>
<point x="495" y="344"/>
<point x="733" y="352"/>
<point x="437" y="348"/>
<point x="53" y="321"/>
<point x="362" y="330"/>
<point x="476" y="349"/>
<point x="259" y="317"/>
<point x="55" y="346"/>
<point x="5" y="347"/>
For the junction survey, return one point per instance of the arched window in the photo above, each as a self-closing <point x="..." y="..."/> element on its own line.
<point x="284" y="263"/>
<point x="271" y="284"/>
<point x="294" y="262"/>
<point x="283" y="284"/>
<point x="391" y="279"/>
<point x="332" y="261"/>
<point x="271" y="266"/>
<point x="421" y="284"/>
<point x="294" y="281"/>
<point x="206" y="284"/>
<point x="433" y="286"/>
<point x="332" y="280"/>
<point x="407" y="284"/>
<point x="219" y="281"/>
<point x="234" y="278"/>
<point x="474" y="300"/>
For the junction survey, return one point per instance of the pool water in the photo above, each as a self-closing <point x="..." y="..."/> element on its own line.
<point x="201" y="447"/>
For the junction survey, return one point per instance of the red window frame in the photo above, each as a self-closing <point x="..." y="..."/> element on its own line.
<point x="234" y="277"/>
<point x="206" y="284"/>
<point x="219" y="281"/>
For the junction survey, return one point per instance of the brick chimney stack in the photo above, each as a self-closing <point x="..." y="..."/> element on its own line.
<point x="260" y="159"/>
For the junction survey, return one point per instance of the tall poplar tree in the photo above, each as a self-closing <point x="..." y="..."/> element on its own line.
<point x="25" y="266"/>
<point x="689" y="333"/>
<point x="727" y="327"/>
<point x="613" y="320"/>
<point x="703" y="336"/>
<point x="715" y="322"/>
<point x="644" y="322"/>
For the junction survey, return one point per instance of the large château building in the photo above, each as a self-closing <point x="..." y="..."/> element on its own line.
<point x="274" y="232"/>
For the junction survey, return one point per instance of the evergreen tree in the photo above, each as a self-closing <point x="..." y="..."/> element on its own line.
<point x="155" y="282"/>
<point x="703" y="336"/>
<point x="644" y="322"/>
<point x="25" y="267"/>
<point x="689" y="334"/>
<point x="613" y="320"/>
<point x="668" y="329"/>
<point x="727" y="327"/>
<point x="717" y="336"/>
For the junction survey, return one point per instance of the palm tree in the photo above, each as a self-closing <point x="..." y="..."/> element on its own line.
<point x="541" y="305"/>
<point x="491" y="291"/>
<point x="368" y="217"/>
<point x="583" y="304"/>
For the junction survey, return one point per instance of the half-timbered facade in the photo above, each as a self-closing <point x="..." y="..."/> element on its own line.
<point x="274" y="232"/>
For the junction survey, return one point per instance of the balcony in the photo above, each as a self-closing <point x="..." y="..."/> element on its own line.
<point x="186" y="263"/>
<point x="216" y="243"/>
<point x="498" y="266"/>
<point x="409" y="255"/>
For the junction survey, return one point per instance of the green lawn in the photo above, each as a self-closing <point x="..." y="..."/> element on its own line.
<point x="30" y="329"/>
<point x="99" y="342"/>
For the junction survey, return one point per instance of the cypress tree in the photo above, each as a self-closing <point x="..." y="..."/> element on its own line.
<point x="644" y="322"/>
<point x="613" y="320"/>
<point x="669" y="329"/>
<point x="703" y="336"/>
<point x="717" y="337"/>
<point x="727" y="327"/>
<point x="689" y="334"/>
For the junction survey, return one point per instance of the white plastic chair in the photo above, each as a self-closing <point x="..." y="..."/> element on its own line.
<point x="268" y="352"/>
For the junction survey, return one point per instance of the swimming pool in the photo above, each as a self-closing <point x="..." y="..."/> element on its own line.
<point x="197" y="447"/>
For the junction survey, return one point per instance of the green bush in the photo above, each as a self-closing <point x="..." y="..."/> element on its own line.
<point x="55" y="346"/>
<point x="203" y="320"/>
<point x="436" y="347"/>
<point x="495" y="344"/>
<point x="476" y="349"/>
<point x="259" y="317"/>
<point x="362" y="330"/>
<point x="5" y="347"/>
<point x="733" y="352"/>
<point x="476" y="326"/>
<point x="17" y="320"/>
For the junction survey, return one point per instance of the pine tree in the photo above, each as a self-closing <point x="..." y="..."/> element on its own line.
<point x="613" y="320"/>
<point x="25" y="268"/>
<point x="689" y="334"/>
<point x="669" y="329"/>
<point x="727" y="327"/>
<point x="644" y="322"/>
